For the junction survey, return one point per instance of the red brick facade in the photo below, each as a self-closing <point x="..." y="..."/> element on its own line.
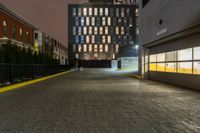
<point x="13" y="21"/>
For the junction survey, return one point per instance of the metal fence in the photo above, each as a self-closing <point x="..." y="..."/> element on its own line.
<point x="12" y="73"/>
<point x="95" y="63"/>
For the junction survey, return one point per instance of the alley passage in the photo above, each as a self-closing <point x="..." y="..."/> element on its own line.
<point x="99" y="101"/>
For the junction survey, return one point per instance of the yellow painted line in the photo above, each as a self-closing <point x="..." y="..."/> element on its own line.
<point x="135" y="76"/>
<point x="25" y="83"/>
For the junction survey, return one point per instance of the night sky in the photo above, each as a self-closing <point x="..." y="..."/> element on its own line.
<point x="48" y="15"/>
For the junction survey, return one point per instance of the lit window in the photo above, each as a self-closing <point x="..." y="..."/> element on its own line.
<point x="90" y="48"/>
<point x="109" y="39"/>
<point x="122" y="30"/>
<point x="122" y="12"/>
<point x="90" y="30"/>
<point x="185" y="54"/>
<point x="161" y="67"/>
<point x="4" y="23"/>
<point x="74" y="11"/>
<point x="84" y="48"/>
<point x="113" y="55"/>
<point x="170" y="67"/>
<point x="103" y="20"/>
<point x="197" y="53"/>
<point x="100" y="48"/>
<point x="106" y="30"/>
<point x="85" y="30"/>
<point x="82" y="21"/>
<point x="93" y="21"/>
<point x="101" y="11"/>
<point x="161" y="57"/>
<point x="153" y="67"/>
<point x="95" y="11"/>
<point x="79" y="48"/>
<point x="100" y="30"/>
<point x="87" y="39"/>
<point x="106" y="12"/>
<point x="152" y="58"/>
<point x="136" y="12"/>
<point x="93" y="39"/>
<point x="87" y="21"/>
<point x="103" y="39"/>
<point x="95" y="30"/>
<point x="21" y="34"/>
<point x="117" y="48"/>
<point x="74" y="30"/>
<point x="109" y="21"/>
<point x="95" y="55"/>
<point x="196" y="69"/>
<point x="90" y="11"/>
<point x="85" y="11"/>
<point x="106" y="47"/>
<point x="185" y="67"/>
<point x="74" y="48"/>
<point x="95" y="48"/>
<point x="171" y="56"/>
<point x="117" y="30"/>
<point x="79" y="12"/>
<point x="137" y="31"/>
<point x="79" y="31"/>
<point x="5" y="29"/>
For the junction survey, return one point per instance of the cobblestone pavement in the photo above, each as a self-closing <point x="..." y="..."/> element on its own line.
<point x="99" y="101"/>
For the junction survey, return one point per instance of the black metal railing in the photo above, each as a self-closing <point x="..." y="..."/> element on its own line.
<point x="13" y="73"/>
<point x="95" y="63"/>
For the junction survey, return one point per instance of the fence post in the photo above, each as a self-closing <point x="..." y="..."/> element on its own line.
<point x="11" y="73"/>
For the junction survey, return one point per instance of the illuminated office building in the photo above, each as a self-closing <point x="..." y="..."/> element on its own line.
<point x="99" y="31"/>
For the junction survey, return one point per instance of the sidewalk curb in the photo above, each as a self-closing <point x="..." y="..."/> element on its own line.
<point x="26" y="83"/>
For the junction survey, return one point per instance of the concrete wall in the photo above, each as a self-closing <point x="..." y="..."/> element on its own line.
<point x="176" y="15"/>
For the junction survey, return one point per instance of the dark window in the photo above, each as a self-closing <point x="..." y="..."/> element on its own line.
<point x="5" y="31"/>
<point x="36" y="36"/>
<point x="14" y="33"/>
<point x="28" y="37"/>
<point x="144" y="2"/>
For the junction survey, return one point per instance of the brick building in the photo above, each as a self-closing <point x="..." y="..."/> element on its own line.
<point x="15" y="29"/>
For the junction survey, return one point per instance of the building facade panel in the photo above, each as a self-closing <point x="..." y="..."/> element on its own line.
<point x="160" y="18"/>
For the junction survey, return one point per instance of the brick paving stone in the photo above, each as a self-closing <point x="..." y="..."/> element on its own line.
<point x="99" y="101"/>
